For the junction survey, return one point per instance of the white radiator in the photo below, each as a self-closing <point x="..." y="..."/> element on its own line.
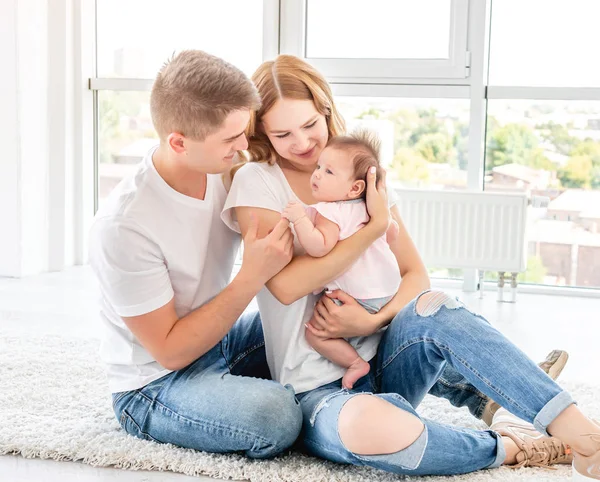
<point x="457" y="229"/>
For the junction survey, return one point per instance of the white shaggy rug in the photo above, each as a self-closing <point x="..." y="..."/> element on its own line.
<point x="54" y="404"/>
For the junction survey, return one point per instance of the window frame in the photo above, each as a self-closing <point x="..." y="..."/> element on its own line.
<point x="466" y="76"/>
<point x="293" y="41"/>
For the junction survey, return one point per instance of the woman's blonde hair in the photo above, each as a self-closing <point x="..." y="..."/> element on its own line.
<point x="288" y="77"/>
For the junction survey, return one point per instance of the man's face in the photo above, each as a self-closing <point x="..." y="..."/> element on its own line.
<point x="214" y="154"/>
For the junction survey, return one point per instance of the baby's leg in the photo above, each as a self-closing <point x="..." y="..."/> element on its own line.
<point x="342" y="353"/>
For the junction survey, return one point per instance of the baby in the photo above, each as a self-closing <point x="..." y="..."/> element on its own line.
<point x="339" y="184"/>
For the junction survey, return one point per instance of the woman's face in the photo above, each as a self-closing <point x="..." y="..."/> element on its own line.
<point x="297" y="131"/>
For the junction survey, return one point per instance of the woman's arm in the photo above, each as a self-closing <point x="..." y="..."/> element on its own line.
<point x="306" y="274"/>
<point x="415" y="278"/>
<point x="351" y="319"/>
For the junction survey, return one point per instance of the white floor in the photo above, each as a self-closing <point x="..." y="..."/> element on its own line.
<point x="66" y="302"/>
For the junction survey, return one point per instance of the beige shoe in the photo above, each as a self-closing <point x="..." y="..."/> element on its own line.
<point x="587" y="468"/>
<point x="536" y="450"/>
<point x="553" y="365"/>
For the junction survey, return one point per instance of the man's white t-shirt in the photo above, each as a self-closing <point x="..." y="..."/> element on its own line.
<point x="148" y="244"/>
<point x="291" y="359"/>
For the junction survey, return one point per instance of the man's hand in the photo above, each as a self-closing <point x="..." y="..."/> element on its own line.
<point x="265" y="257"/>
<point x="294" y="211"/>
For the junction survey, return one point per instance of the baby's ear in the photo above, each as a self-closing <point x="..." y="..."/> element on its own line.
<point x="358" y="187"/>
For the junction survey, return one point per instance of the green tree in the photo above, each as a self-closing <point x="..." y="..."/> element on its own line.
<point x="409" y="166"/>
<point x="559" y="136"/>
<point x="405" y="123"/>
<point x="588" y="148"/>
<point x="370" y="113"/>
<point x="429" y="123"/>
<point x="577" y="173"/>
<point x="515" y="143"/>
<point x="536" y="271"/>
<point x="112" y="106"/>
<point x="436" y="148"/>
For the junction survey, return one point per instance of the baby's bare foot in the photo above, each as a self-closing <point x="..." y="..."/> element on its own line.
<point x="357" y="370"/>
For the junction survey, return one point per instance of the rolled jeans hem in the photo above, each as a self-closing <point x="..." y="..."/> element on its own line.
<point x="500" y="452"/>
<point x="552" y="410"/>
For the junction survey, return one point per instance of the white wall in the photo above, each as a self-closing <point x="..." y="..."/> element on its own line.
<point x="32" y="74"/>
<point x="42" y="121"/>
<point x="10" y="226"/>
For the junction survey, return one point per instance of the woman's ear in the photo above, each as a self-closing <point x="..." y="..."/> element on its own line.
<point x="357" y="189"/>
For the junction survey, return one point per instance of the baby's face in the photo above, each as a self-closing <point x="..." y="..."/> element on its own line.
<point x="333" y="178"/>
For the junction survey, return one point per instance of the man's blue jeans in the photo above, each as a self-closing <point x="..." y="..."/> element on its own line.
<point x="223" y="402"/>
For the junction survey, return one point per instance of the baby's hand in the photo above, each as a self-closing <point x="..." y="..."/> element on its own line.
<point x="293" y="211"/>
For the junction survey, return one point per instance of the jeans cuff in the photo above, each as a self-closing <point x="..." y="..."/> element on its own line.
<point x="481" y="408"/>
<point x="500" y="451"/>
<point x="552" y="410"/>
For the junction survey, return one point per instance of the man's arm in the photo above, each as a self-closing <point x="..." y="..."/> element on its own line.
<point x="174" y="342"/>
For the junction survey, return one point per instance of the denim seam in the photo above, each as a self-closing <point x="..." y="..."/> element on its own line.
<point x="125" y="415"/>
<point x="368" y="458"/>
<point x="119" y="398"/>
<point x="500" y="451"/>
<point x="552" y="410"/>
<point x="243" y="355"/>
<point x="328" y="449"/>
<point x="204" y="424"/>
<point x="463" y="362"/>
<point x="469" y="388"/>
<point x="484" y="401"/>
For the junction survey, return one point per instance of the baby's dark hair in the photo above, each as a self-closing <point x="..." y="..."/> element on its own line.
<point x="364" y="146"/>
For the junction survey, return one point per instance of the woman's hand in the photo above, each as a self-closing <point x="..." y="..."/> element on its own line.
<point x="333" y="321"/>
<point x="377" y="201"/>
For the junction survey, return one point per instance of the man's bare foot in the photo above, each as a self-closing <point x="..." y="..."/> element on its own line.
<point x="357" y="370"/>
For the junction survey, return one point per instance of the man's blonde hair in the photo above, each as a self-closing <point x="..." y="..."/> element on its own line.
<point x="288" y="77"/>
<point x="363" y="147"/>
<point x="194" y="92"/>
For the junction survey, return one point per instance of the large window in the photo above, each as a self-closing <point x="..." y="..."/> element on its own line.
<point x="379" y="39"/>
<point x="346" y="29"/>
<point x="424" y="141"/>
<point x="551" y="149"/>
<point x="125" y="134"/>
<point x="499" y="96"/>
<point x="551" y="43"/>
<point x="135" y="37"/>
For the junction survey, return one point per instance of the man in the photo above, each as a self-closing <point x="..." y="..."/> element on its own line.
<point x="185" y="365"/>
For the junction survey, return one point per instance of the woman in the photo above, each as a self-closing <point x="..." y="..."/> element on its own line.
<point x="375" y="423"/>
